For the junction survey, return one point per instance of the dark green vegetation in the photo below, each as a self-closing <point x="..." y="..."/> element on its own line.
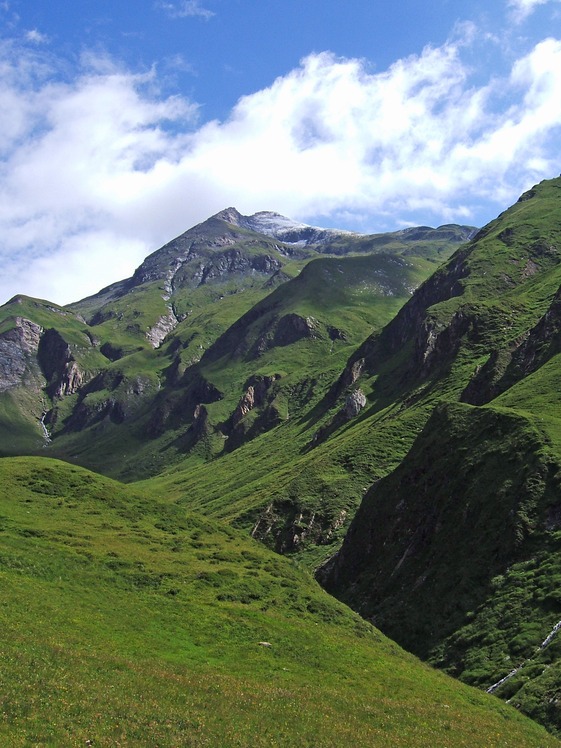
<point x="130" y="622"/>
<point x="456" y="554"/>
<point x="280" y="384"/>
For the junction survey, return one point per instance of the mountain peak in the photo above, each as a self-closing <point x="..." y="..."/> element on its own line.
<point x="280" y="227"/>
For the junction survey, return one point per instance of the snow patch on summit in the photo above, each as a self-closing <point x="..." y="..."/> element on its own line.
<point x="282" y="228"/>
<point x="271" y="224"/>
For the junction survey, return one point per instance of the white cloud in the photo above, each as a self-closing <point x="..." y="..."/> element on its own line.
<point x="184" y="9"/>
<point x="101" y="170"/>
<point x="36" y="37"/>
<point x="521" y="9"/>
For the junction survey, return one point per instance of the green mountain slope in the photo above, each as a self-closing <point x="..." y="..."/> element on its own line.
<point x="126" y="621"/>
<point x="114" y="381"/>
<point x="280" y="385"/>
<point x="455" y="553"/>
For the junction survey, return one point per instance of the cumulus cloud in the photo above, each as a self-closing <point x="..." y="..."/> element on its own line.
<point x="98" y="171"/>
<point x="521" y="9"/>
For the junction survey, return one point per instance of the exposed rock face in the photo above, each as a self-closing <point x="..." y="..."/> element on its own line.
<point x="436" y="342"/>
<point x="354" y="403"/>
<point x="18" y="350"/>
<point x="233" y="261"/>
<point x="282" y="228"/>
<point x="246" y="404"/>
<point x="166" y="324"/>
<point x="258" y="393"/>
<point x="86" y="414"/>
<point x="126" y="396"/>
<point x="63" y="375"/>
<point x="443" y="285"/>
<point x="200" y="256"/>
<point x="260" y="396"/>
<point x="200" y="428"/>
<point x="172" y="410"/>
<point x="411" y="322"/>
<point x="200" y="420"/>
<point x="289" y="329"/>
<point x="285" y="528"/>
<point x="292" y="328"/>
<point x="71" y="380"/>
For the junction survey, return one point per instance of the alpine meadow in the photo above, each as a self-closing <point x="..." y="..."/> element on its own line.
<point x="289" y="486"/>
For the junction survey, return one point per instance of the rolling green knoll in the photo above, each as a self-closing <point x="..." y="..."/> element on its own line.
<point x="127" y="621"/>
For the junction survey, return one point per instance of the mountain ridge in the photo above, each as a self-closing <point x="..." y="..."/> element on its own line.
<point x="352" y="404"/>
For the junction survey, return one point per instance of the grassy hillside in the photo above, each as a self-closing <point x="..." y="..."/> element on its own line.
<point x="455" y="554"/>
<point x="252" y="400"/>
<point x="97" y="381"/>
<point x="125" y="621"/>
<point x="300" y="335"/>
<point x="298" y="486"/>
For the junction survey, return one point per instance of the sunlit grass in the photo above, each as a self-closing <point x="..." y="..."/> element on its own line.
<point x="125" y="622"/>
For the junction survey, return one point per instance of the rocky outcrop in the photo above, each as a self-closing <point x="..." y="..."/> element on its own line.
<point x="72" y="378"/>
<point x="282" y="228"/>
<point x="109" y="395"/>
<point x="354" y="403"/>
<point x="245" y="404"/>
<point x="88" y="413"/>
<point x="437" y="342"/>
<point x="286" y="527"/>
<point x="233" y="261"/>
<point x="63" y="374"/>
<point x="166" y="324"/>
<point x="204" y="254"/>
<point x="199" y="430"/>
<point x="173" y="409"/>
<point x="200" y="421"/>
<point x="18" y="350"/>
<point x="257" y="394"/>
<point x="291" y="328"/>
<point x="260" y="396"/>
<point x="443" y="285"/>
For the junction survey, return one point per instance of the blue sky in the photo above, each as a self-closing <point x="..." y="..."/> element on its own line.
<point x="122" y="124"/>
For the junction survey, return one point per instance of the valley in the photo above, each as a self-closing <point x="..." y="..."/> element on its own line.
<point x="263" y="402"/>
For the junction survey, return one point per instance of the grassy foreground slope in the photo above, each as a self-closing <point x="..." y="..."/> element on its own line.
<point x="127" y="622"/>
